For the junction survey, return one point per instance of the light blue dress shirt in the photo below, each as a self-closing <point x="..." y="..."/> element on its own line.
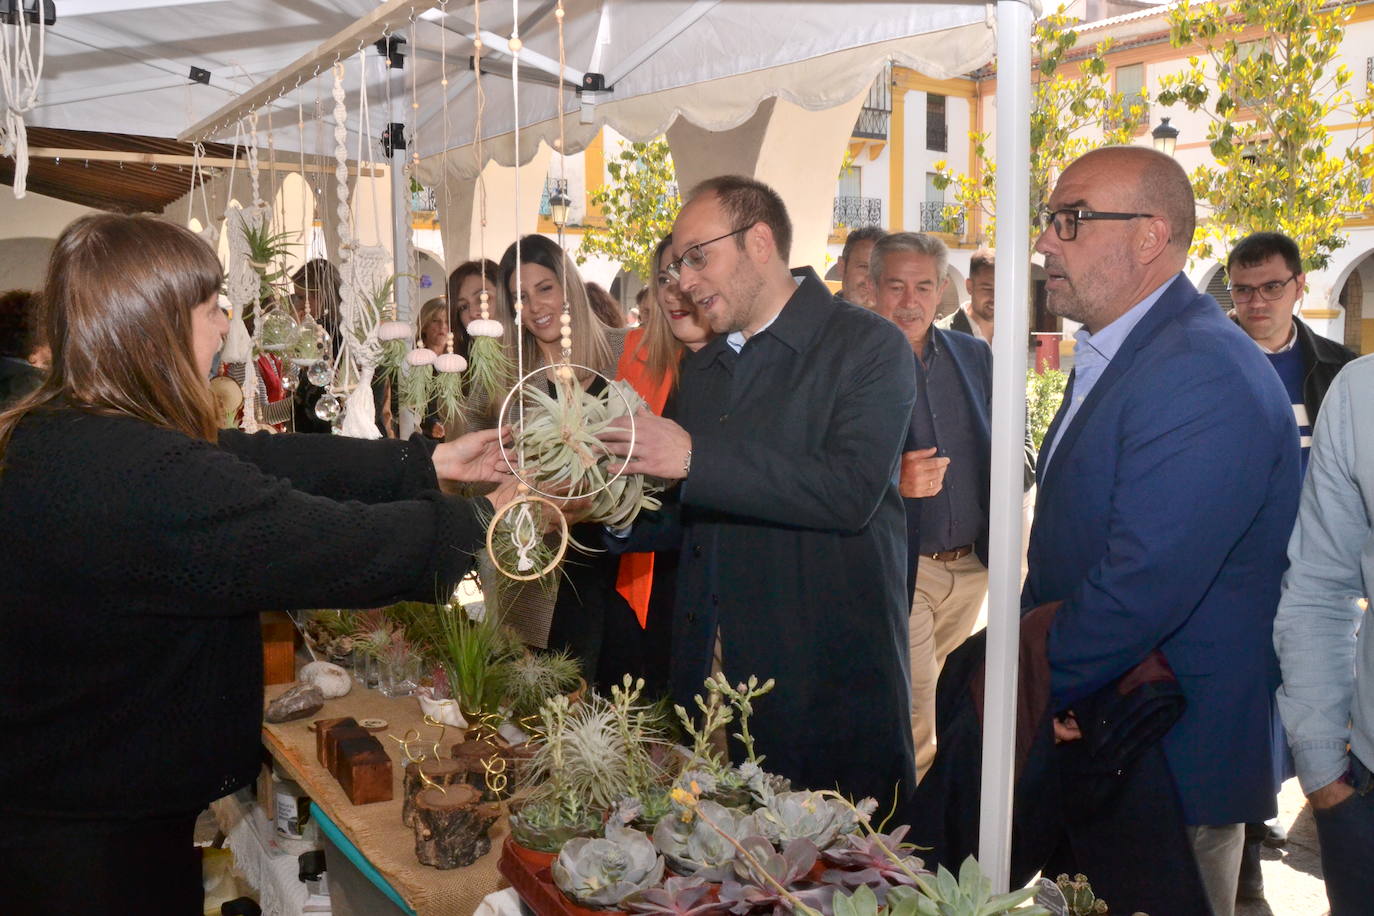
<point x="1322" y="632"/>
<point x="1092" y="353"/>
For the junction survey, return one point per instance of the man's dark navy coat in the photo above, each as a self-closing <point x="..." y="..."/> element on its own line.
<point x="794" y="538"/>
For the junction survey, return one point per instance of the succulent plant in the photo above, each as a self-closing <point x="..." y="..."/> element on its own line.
<point x="603" y="871"/>
<point x="900" y="901"/>
<point x="1078" y="894"/>
<point x="970" y="895"/>
<point x="866" y="860"/>
<point x="677" y="897"/>
<point x="695" y="841"/>
<point x="774" y="880"/>
<point x="790" y="816"/>
<point x="545" y="825"/>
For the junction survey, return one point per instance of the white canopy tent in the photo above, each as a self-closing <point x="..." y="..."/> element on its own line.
<point x="125" y="66"/>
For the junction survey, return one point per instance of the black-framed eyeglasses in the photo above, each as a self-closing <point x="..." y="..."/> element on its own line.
<point x="1066" y="221"/>
<point x="1268" y="291"/>
<point x="695" y="257"/>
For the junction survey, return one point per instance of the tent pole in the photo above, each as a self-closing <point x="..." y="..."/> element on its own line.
<point x="1014" y="22"/>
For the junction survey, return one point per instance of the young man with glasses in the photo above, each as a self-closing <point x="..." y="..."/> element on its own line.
<point x="1266" y="282"/>
<point x="1168" y="487"/>
<point x="788" y="432"/>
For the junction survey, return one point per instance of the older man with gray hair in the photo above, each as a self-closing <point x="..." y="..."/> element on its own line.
<point x="945" y="465"/>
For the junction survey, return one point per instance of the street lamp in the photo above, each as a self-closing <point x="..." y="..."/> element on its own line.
<point x="559" y="203"/>
<point x="1165" y="137"/>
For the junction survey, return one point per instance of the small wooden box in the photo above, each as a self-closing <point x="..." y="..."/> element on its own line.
<point x="337" y="735"/>
<point x="364" y="770"/>
<point x="278" y="647"/>
<point x="322" y="729"/>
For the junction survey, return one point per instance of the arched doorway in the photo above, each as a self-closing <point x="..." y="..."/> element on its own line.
<point x="1356" y="298"/>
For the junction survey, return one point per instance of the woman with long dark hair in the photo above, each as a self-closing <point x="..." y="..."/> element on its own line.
<point x="572" y="618"/>
<point x="138" y="544"/>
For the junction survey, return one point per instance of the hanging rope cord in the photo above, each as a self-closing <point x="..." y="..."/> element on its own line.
<point x="518" y="306"/>
<point x="20" y="74"/>
<point x="563" y="183"/>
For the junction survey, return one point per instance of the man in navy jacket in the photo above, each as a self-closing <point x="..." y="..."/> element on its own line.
<point x="1168" y="485"/>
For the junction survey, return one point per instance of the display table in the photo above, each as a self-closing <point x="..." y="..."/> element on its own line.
<point x="386" y="845"/>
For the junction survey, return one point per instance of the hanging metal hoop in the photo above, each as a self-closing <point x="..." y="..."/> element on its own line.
<point x="524" y="501"/>
<point x="520" y="386"/>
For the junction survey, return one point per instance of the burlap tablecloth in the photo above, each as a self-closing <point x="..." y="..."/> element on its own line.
<point x="376" y="829"/>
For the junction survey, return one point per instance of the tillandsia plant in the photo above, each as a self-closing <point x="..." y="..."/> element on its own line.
<point x="372" y="632"/>
<point x="557" y="438"/>
<point x="330" y="632"/>
<point x="477" y="654"/>
<point x="417" y="383"/>
<point x="537" y="676"/>
<point x="264" y="248"/>
<point x="603" y="871"/>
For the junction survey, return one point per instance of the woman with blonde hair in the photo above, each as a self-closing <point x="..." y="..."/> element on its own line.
<point x="138" y="545"/>
<point x="671" y="328"/>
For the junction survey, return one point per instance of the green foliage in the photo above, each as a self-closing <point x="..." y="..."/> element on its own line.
<point x="1078" y="894"/>
<point x="536" y="676"/>
<point x="640" y="203"/>
<point x="970" y="895"/>
<point x="1070" y="115"/>
<point x="1269" y="103"/>
<point x="1044" y="391"/>
<point x="266" y="253"/>
<point x="476" y="654"/>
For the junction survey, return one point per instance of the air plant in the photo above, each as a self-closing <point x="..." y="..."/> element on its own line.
<point x="265" y="247"/>
<point x="372" y="632"/>
<point x="676" y="897"/>
<point x="603" y="871"/>
<point x="476" y="653"/>
<point x="536" y="676"/>
<point x="448" y="382"/>
<point x="489" y="366"/>
<point x="557" y="437"/>
<point x="417" y="380"/>
<point x="584" y="754"/>
<point x="395" y="338"/>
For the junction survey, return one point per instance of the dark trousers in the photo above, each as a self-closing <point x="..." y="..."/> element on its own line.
<point x="1346" y="834"/>
<point x="57" y="867"/>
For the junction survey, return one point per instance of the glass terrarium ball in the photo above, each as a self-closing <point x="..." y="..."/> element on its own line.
<point x="328" y="407"/>
<point x="290" y="377"/>
<point x="320" y="373"/>
<point x="278" y="331"/>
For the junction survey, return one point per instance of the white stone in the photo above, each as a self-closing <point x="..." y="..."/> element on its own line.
<point x="332" y="680"/>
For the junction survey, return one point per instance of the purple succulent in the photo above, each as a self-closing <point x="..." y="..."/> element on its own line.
<point x="677" y="897"/>
<point x="789" y="868"/>
<point x="862" y="859"/>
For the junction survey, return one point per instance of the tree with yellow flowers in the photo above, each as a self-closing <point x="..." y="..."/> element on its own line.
<point x="639" y="204"/>
<point x="1268" y="80"/>
<point x="1073" y="110"/>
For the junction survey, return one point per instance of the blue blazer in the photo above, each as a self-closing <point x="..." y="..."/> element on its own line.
<point x="1161" y="522"/>
<point x="973" y="363"/>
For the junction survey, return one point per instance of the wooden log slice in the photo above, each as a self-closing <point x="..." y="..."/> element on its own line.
<point x="439" y="771"/>
<point x="451" y="828"/>
<point x="475" y="756"/>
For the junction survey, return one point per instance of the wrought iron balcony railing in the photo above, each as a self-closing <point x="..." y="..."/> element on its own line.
<point x="934" y="218"/>
<point x="856" y="212"/>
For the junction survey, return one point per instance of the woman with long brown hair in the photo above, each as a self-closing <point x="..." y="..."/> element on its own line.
<point x="138" y="545"/>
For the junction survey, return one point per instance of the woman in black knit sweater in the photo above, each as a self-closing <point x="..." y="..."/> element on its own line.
<point x="138" y="544"/>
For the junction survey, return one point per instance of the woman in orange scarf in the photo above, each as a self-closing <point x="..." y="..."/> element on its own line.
<point x="649" y="362"/>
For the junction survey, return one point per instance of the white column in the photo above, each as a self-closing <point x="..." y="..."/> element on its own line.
<point x="1014" y="20"/>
